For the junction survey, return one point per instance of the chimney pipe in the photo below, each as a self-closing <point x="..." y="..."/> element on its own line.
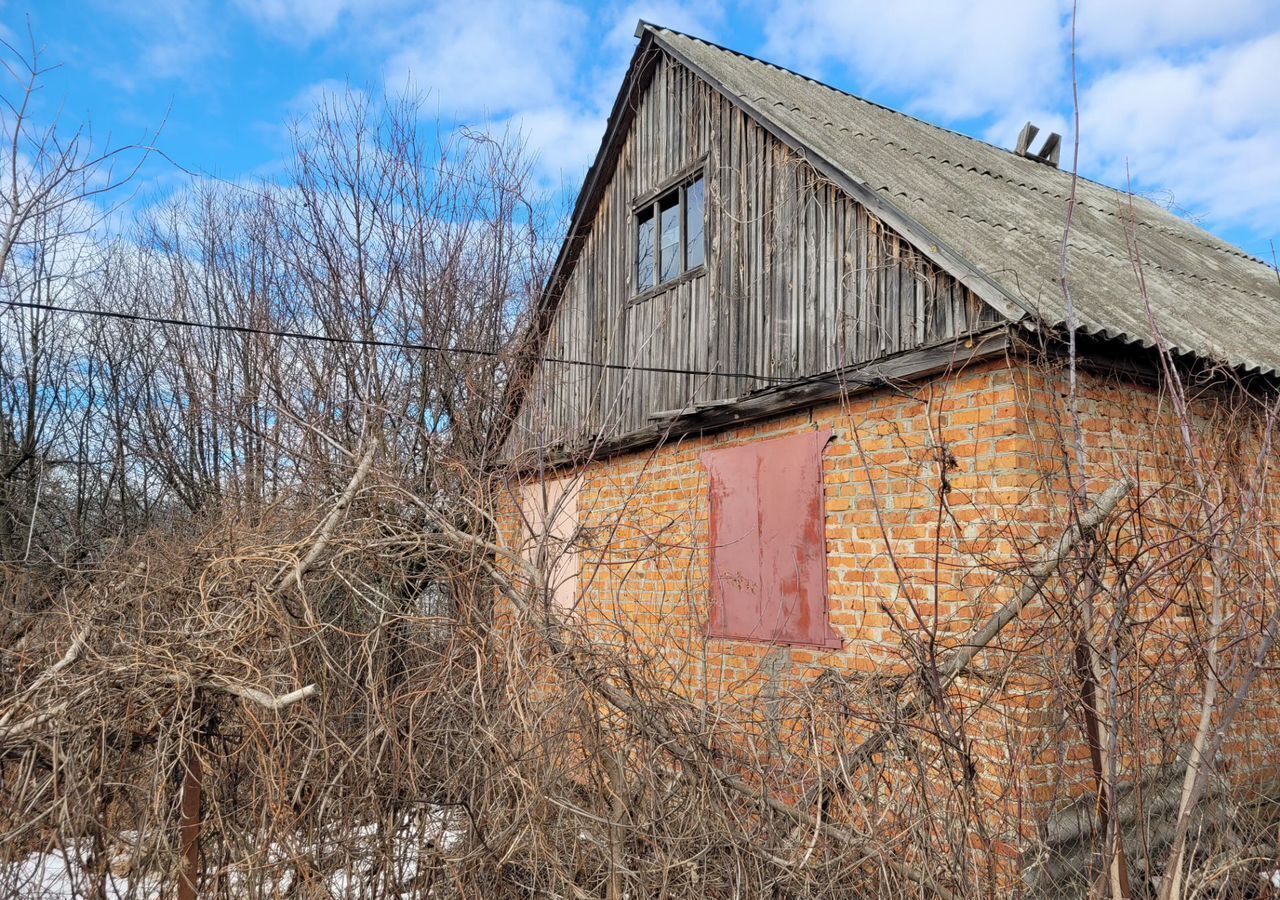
<point x="1050" y="151"/>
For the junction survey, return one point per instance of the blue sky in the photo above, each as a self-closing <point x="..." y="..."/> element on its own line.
<point x="1182" y="95"/>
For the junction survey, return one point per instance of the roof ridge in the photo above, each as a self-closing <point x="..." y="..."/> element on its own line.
<point x="842" y="92"/>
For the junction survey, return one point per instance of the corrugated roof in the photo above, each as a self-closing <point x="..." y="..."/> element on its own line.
<point x="998" y="218"/>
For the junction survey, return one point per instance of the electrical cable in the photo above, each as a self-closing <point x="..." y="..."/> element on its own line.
<point x="370" y="342"/>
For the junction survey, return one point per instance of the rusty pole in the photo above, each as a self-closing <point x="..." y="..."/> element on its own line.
<point x="189" y="828"/>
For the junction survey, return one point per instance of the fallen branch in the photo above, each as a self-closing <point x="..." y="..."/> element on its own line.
<point x="72" y="654"/>
<point x="255" y="695"/>
<point x="262" y="698"/>
<point x="9" y="732"/>
<point x="324" y="533"/>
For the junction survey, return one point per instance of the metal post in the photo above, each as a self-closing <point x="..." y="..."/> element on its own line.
<point x="189" y="829"/>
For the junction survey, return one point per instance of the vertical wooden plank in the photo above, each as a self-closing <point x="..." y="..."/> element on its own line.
<point x="755" y="166"/>
<point x="909" y="308"/>
<point x="758" y="218"/>
<point x="861" y="289"/>
<point x="777" y="227"/>
<point x="881" y="318"/>
<point x="870" y="337"/>
<point x="799" y="277"/>
<point x="780" y="294"/>
<point x="824" y="314"/>
<point x="835" y="256"/>
<point x="800" y="314"/>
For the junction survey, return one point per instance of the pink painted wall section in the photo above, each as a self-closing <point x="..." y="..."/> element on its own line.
<point x="550" y="511"/>
<point x="768" y="552"/>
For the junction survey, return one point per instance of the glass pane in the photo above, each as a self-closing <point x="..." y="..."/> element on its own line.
<point x="669" y="236"/>
<point x="644" y="251"/>
<point x="694" y="243"/>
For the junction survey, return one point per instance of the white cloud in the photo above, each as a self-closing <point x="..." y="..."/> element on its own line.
<point x="564" y="142"/>
<point x="953" y="60"/>
<point x="548" y="69"/>
<point x="699" y="20"/>
<point x="301" y="20"/>
<point x="1181" y="92"/>
<point x="1135" y="28"/>
<point x="544" y="67"/>
<point x="173" y="40"/>
<point x="488" y="58"/>
<point x="329" y="92"/>
<point x="1205" y="130"/>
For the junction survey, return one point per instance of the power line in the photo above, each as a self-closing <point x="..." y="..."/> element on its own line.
<point x="368" y="342"/>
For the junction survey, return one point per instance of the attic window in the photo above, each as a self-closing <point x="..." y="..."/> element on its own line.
<point x="670" y="234"/>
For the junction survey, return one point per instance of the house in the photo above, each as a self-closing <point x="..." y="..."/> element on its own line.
<point x="801" y="377"/>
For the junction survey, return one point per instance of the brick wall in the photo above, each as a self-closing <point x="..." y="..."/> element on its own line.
<point x="933" y="494"/>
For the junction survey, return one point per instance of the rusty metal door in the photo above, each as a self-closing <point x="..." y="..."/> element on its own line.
<point x="768" y="554"/>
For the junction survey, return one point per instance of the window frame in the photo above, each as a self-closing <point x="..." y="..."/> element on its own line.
<point x="648" y="208"/>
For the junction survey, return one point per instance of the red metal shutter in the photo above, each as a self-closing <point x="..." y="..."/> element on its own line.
<point x="768" y="546"/>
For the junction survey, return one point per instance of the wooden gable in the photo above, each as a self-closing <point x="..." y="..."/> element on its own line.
<point x="800" y="279"/>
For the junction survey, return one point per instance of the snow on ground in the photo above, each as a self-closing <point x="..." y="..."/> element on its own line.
<point x="52" y="876"/>
<point x="58" y="875"/>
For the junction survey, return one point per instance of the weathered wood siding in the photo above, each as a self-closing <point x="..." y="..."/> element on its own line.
<point x="799" y="279"/>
